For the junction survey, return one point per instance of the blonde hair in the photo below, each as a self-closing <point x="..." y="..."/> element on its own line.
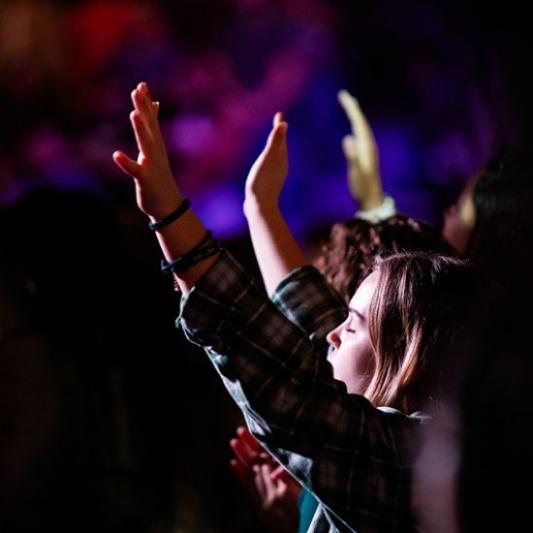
<point x="417" y="311"/>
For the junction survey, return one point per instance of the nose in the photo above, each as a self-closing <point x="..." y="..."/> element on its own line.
<point x="333" y="338"/>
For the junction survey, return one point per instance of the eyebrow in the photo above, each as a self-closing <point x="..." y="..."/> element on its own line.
<point x="357" y="313"/>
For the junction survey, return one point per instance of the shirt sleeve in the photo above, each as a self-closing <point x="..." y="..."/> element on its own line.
<point x="347" y="452"/>
<point x="308" y="300"/>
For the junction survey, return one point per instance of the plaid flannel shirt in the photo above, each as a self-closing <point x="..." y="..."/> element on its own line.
<point x="354" y="458"/>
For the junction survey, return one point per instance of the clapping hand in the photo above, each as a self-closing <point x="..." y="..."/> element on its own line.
<point x="273" y="491"/>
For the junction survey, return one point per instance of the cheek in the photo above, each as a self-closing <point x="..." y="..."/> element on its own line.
<point x="456" y="232"/>
<point x="354" y="363"/>
<point x="451" y="221"/>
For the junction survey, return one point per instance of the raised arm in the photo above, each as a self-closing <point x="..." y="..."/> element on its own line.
<point x="281" y="382"/>
<point x="276" y="250"/>
<point x="157" y="193"/>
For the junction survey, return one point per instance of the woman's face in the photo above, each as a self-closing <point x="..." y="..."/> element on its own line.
<point x="352" y="355"/>
<point x="460" y="218"/>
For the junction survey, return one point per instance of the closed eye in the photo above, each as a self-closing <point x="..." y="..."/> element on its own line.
<point x="350" y="330"/>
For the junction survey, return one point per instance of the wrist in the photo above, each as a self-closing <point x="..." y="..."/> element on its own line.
<point x="255" y="207"/>
<point x="176" y="214"/>
<point x="385" y="210"/>
<point x="371" y="202"/>
<point x="165" y="208"/>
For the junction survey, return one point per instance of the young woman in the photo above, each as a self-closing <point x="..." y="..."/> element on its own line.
<point x="318" y="416"/>
<point x="346" y="259"/>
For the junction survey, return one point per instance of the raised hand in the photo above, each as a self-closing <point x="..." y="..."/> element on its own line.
<point x="276" y="250"/>
<point x="362" y="156"/>
<point x="156" y="191"/>
<point x="267" y="176"/>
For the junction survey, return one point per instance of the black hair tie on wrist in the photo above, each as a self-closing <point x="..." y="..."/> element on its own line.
<point x="206" y="248"/>
<point x="181" y="210"/>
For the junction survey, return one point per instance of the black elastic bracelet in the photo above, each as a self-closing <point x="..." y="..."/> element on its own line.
<point x="185" y="262"/>
<point x="165" y="267"/>
<point x="203" y="242"/>
<point x="182" y="208"/>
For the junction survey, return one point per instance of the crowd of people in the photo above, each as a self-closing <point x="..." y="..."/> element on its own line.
<point x="348" y="423"/>
<point x="222" y="69"/>
<point x="378" y="378"/>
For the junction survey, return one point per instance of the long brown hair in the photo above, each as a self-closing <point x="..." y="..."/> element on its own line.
<point x="419" y="308"/>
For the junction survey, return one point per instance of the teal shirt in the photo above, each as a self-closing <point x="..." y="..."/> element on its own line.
<point x="307" y="506"/>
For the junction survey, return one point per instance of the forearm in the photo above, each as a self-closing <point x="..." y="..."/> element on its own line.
<point x="275" y="247"/>
<point x="369" y="199"/>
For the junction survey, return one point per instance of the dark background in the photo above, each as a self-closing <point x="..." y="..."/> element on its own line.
<point x="109" y="420"/>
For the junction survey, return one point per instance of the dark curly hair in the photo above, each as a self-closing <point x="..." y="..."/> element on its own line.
<point x="353" y="247"/>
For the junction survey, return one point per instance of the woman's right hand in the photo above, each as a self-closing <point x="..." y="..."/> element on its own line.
<point x="156" y="191"/>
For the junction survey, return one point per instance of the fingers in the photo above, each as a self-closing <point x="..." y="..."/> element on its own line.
<point x="265" y="486"/>
<point x="145" y="106"/>
<point x="142" y="101"/>
<point x="279" y="473"/>
<point x="144" y="109"/>
<point x="360" y="126"/>
<point x="278" y="119"/>
<point x="241" y="472"/>
<point x="350" y="147"/>
<point x="280" y="488"/>
<point x="243" y="453"/>
<point x="280" y="132"/>
<point x="152" y="161"/>
<point x="127" y="165"/>
<point x="249" y="439"/>
<point x="348" y="103"/>
<point x="280" y="124"/>
<point x="277" y="137"/>
<point x="145" y="123"/>
<point x="142" y="137"/>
